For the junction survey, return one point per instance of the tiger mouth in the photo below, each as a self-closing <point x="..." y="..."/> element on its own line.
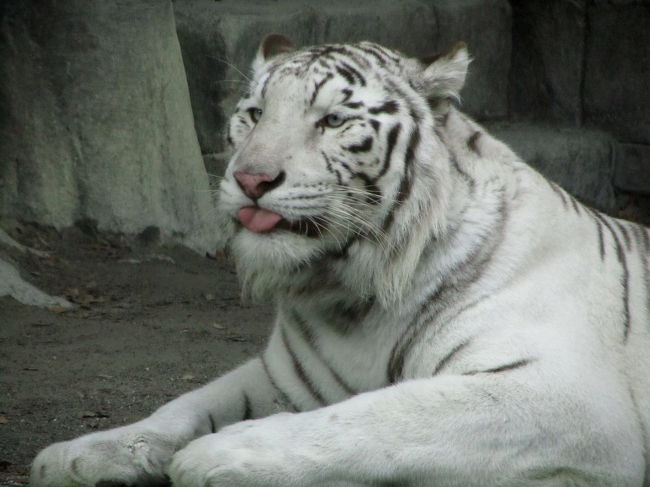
<point x="261" y="220"/>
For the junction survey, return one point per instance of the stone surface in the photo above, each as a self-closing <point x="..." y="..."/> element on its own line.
<point x="202" y="47"/>
<point x="485" y="25"/>
<point x="579" y="160"/>
<point x="12" y="284"/>
<point x="617" y="69"/>
<point x="547" y="59"/>
<point x="97" y="125"/>
<point x="633" y="168"/>
<point x="228" y="32"/>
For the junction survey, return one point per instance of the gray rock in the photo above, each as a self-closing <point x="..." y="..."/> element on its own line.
<point x="215" y="165"/>
<point x="228" y="33"/>
<point x="617" y="69"/>
<point x="547" y="59"/>
<point x="12" y="284"/>
<point x="96" y="121"/>
<point x="202" y="47"/>
<point x="7" y="241"/>
<point x="579" y="160"/>
<point x="485" y="25"/>
<point x="633" y="168"/>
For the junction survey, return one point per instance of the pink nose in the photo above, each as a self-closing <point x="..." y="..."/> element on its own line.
<point x="255" y="185"/>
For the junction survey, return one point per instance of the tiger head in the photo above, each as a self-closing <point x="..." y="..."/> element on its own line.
<point x="336" y="165"/>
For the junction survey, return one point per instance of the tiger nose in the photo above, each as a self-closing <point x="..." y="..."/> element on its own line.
<point x="256" y="185"/>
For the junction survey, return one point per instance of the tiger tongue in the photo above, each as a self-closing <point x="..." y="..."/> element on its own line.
<point x="258" y="219"/>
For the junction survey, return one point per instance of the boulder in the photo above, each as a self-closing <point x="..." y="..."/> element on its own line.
<point x="96" y="122"/>
<point x="486" y="27"/>
<point x="579" y="160"/>
<point x="547" y="59"/>
<point x="633" y="168"/>
<point x="617" y="69"/>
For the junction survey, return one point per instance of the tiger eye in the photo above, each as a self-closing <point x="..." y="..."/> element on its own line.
<point x="333" y="120"/>
<point x="255" y="114"/>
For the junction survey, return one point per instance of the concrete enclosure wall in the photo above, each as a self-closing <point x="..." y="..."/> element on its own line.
<point x="96" y="122"/>
<point x="106" y="107"/>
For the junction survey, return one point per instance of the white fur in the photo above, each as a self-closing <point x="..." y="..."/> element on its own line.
<point x="498" y="304"/>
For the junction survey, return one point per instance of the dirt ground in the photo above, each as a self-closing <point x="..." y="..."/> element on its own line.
<point x="151" y="322"/>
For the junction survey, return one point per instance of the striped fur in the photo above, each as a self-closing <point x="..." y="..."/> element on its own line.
<point x="445" y="315"/>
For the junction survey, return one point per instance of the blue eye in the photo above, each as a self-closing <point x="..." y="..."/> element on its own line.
<point x="255" y="114"/>
<point x="332" y="120"/>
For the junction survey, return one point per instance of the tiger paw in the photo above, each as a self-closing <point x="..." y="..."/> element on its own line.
<point x="110" y="458"/>
<point x="248" y="454"/>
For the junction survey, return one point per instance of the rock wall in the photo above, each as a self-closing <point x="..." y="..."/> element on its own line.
<point x="587" y="63"/>
<point x="96" y="122"/>
<point x="219" y="39"/>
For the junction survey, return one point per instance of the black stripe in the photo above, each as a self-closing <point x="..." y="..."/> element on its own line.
<point x="468" y="179"/>
<point x="347" y="93"/>
<point x="445" y="360"/>
<point x="308" y="337"/>
<point x="355" y="72"/>
<point x="389" y="106"/>
<point x="646" y="238"/>
<point x="390" y="141"/>
<point x="380" y="59"/>
<point x="354" y="104"/>
<point x="576" y="205"/>
<point x="412" y="146"/>
<point x="349" y="77"/>
<point x="364" y="146"/>
<point x="406" y="184"/>
<point x="271" y="72"/>
<point x="625" y="277"/>
<point x="248" y="410"/>
<point x="626" y="235"/>
<point x="265" y="85"/>
<point x="455" y="283"/>
<point x="300" y="371"/>
<point x="213" y="426"/>
<point x="559" y="192"/>
<point x="283" y="395"/>
<point x="601" y="240"/>
<point x="374" y="48"/>
<point x="318" y="86"/>
<point x="503" y="368"/>
<point x="328" y="165"/>
<point x="375" y="124"/>
<point x="336" y="49"/>
<point x="324" y="64"/>
<point x="642" y="239"/>
<point x="472" y="142"/>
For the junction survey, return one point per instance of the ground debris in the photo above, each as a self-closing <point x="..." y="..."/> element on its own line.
<point x="94" y="414"/>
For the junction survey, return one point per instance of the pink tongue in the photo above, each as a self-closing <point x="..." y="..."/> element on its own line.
<point x="258" y="219"/>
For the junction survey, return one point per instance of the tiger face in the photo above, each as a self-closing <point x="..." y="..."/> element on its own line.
<point x="329" y="144"/>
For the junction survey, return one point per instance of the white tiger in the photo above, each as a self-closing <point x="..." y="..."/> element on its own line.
<point x="446" y="316"/>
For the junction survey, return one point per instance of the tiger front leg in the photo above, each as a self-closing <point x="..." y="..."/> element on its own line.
<point x="138" y="454"/>
<point x="444" y="431"/>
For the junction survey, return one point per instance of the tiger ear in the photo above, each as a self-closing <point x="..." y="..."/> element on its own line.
<point x="444" y="75"/>
<point x="272" y="45"/>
